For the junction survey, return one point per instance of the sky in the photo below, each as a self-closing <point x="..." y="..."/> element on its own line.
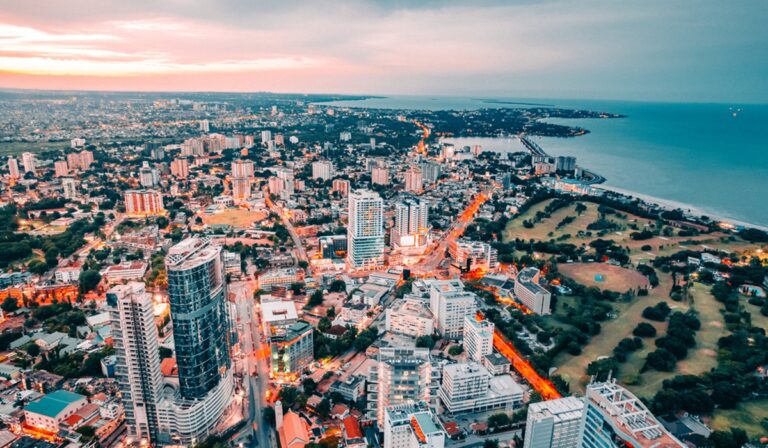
<point x="669" y="50"/>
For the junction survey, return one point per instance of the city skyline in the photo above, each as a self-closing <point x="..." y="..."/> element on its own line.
<point x="549" y="50"/>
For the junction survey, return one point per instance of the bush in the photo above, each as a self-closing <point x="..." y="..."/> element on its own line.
<point x="661" y="360"/>
<point x="659" y="312"/>
<point x="455" y="350"/>
<point x="644" y="330"/>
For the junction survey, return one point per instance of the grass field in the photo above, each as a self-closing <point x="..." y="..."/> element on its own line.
<point x="615" y="278"/>
<point x="747" y="416"/>
<point x="235" y="217"/>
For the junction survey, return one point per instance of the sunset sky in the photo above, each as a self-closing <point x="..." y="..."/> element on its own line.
<point x="646" y="50"/>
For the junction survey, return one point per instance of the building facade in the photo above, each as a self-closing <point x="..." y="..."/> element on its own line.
<point x="365" y="232"/>
<point x="478" y="338"/>
<point x="554" y="423"/>
<point x="450" y="304"/>
<point x="412" y="426"/>
<point x="530" y="293"/>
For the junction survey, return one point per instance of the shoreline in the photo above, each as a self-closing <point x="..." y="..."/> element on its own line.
<point x="673" y="205"/>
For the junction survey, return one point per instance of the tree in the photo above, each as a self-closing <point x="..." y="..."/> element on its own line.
<point x="10" y="304"/>
<point x="89" y="280"/>
<point x="491" y="443"/>
<point x="425" y="341"/>
<point x="602" y="367"/>
<point x="661" y="360"/>
<point x="337" y="286"/>
<point x="316" y="299"/>
<point x="324" y="408"/>
<point x="37" y="267"/>
<point x="324" y="324"/>
<point x="33" y="350"/>
<point x="455" y="350"/>
<point x="309" y="385"/>
<point x="165" y="352"/>
<point x="644" y="330"/>
<point x="499" y="420"/>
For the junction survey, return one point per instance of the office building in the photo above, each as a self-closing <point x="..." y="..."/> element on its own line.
<point x="69" y="187"/>
<point x="615" y="418"/>
<point x="29" y="162"/>
<point x="333" y="246"/>
<point x="410" y="317"/>
<point x="143" y="203"/>
<point x="60" y="168"/>
<point x="469" y="387"/>
<point x="411" y="227"/>
<point x="180" y="168"/>
<point x="322" y="169"/>
<point x="554" y="423"/>
<point x="292" y="350"/>
<point x="414" y="180"/>
<point x="478" y="338"/>
<point x="380" y="176"/>
<point x="204" y="125"/>
<point x="450" y="304"/>
<point x="13" y="168"/>
<point x="197" y="294"/>
<point x="530" y="293"/>
<point x="400" y="376"/>
<point x="412" y="425"/>
<point x="137" y="368"/>
<point x="469" y="255"/>
<point x="365" y="231"/>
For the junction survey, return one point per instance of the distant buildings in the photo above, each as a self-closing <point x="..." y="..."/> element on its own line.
<point x="322" y="169"/>
<point x="450" y="304"/>
<point x="29" y="162"/>
<point x="180" y="168"/>
<point x="365" y="232"/>
<point x="341" y="186"/>
<point x="148" y="177"/>
<point x="242" y="174"/>
<point x="530" y="293"/>
<point x="69" y="187"/>
<point x="414" y="180"/>
<point x="13" y="168"/>
<point x="380" y="176"/>
<point x="60" y="168"/>
<point x="143" y="203"/>
<point x="565" y="163"/>
<point x="478" y="338"/>
<point x="554" y="423"/>
<point x="412" y="426"/>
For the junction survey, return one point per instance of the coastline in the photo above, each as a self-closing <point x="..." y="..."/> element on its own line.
<point x="673" y="205"/>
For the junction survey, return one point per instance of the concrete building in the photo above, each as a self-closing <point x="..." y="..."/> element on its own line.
<point x="530" y="293"/>
<point x="137" y="367"/>
<point x="365" y="231"/>
<point x="414" y="180"/>
<point x="430" y="171"/>
<point x="478" y="338"/>
<point x="380" y="176"/>
<point x="411" y="227"/>
<point x="554" y="423"/>
<point x="469" y="387"/>
<point x="47" y="413"/>
<point x="29" y="162"/>
<point x="69" y="187"/>
<point x="341" y="186"/>
<point x="401" y="375"/>
<point x="143" y="203"/>
<point x="410" y="317"/>
<point x="180" y="168"/>
<point x="450" y="303"/>
<point x="292" y="350"/>
<point x="148" y="177"/>
<point x="60" y="168"/>
<point x="412" y="426"/>
<point x="322" y="169"/>
<point x="615" y="418"/>
<point x="468" y="255"/>
<point x="13" y="168"/>
<point x="565" y="163"/>
<point x="242" y="175"/>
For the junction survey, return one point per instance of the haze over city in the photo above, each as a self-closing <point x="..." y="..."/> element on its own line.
<point x="671" y="51"/>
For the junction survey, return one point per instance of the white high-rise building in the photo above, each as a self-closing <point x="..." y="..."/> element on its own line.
<point x="138" y="359"/>
<point x="412" y="426"/>
<point x="28" y="160"/>
<point x="13" y="168"/>
<point x="530" y="293"/>
<point x="365" y="232"/>
<point x="60" y="168"/>
<point x="322" y="169"/>
<point x="414" y="180"/>
<point x="450" y="304"/>
<point x="430" y="170"/>
<point x="380" y="176"/>
<point x="148" y="176"/>
<point x="410" y="317"/>
<point x="554" y="423"/>
<point x="478" y="338"/>
<point x="400" y="376"/>
<point x="469" y="387"/>
<point x="411" y="223"/>
<point x="266" y="136"/>
<point x="69" y="185"/>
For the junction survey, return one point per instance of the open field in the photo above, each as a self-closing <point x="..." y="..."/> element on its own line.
<point x="235" y="217"/>
<point x="615" y="278"/>
<point x="747" y="416"/>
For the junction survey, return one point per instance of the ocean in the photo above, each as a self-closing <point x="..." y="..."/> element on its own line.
<point x="709" y="157"/>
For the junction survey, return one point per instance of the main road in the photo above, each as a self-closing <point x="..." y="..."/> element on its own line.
<point x="285" y="218"/>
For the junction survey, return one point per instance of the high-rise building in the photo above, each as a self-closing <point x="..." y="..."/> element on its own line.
<point x="565" y="163"/>
<point x="143" y="203"/>
<point x="77" y="143"/>
<point x="450" y="303"/>
<point x="73" y="161"/>
<point x="478" y="338"/>
<point x="138" y="359"/>
<point x="340" y="185"/>
<point x="13" y="168"/>
<point x="69" y="185"/>
<point x="615" y="418"/>
<point x="60" y="168"/>
<point x="402" y="375"/>
<point x="411" y="227"/>
<point x="430" y="171"/>
<point x="204" y="125"/>
<point x="180" y="168"/>
<point x="469" y="387"/>
<point x="242" y="173"/>
<point x="554" y="423"/>
<point x="86" y="159"/>
<point x="266" y="136"/>
<point x="530" y="293"/>
<point x="414" y="180"/>
<point x="322" y="169"/>
<point x="197" y="294"/>
<point x="410" y="317"/>
<point x="380" y="176"/>
<point x="365" y="233"/>
<point x="412" y="425"/>
<point x="28" y="160"/>
<point x="148" y="176"/>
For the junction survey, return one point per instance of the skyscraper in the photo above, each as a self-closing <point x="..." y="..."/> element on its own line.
<point x="365" y="233"/>
<point x="411" y="223"/>
<point x="414" y="180"/>
<point x="554" y="423"/>
<point x="138" y="359"/>
<point x="180" y="168"/>
<point x="28" y="160"/>
<point x="242" y="173"/>
<point x="197" y="294"/>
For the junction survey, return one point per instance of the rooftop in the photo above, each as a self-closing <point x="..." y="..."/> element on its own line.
<point x="55" y="402"/>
